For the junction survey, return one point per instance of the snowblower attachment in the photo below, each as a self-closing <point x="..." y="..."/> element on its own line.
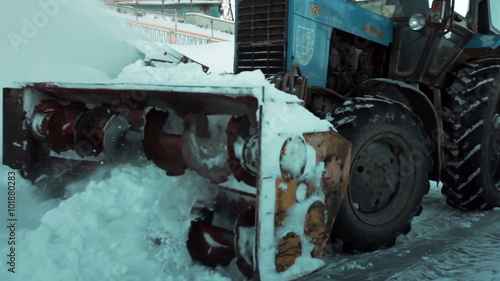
<point x="282" y="172"/>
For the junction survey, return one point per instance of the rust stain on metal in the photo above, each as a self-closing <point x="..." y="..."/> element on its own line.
<point x="334" y="151"/>
<point x="207" y="252"/>
<point x="61" y="126"/>
<point x="183" y="102"/>
<point x="314" y="227"/>
<point x="289" y="249"/>
<point x="165" y="150"/>
<point x="285" y="199"/>
<point x="373" y="31"/>
<point x="310" y="190"/>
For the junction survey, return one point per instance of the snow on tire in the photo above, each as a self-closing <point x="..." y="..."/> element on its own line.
<point x="471" y="179"/>
<point x="389" y="172"/>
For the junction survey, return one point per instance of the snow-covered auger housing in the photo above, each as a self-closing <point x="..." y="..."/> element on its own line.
<point x="282" y="172"/>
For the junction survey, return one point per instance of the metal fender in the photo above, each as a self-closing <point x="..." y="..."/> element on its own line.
<point x="415" y="100"/>
<point x="491" y="41"/>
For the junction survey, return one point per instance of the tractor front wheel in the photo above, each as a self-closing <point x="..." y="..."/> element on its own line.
<point x="389" y="172"/>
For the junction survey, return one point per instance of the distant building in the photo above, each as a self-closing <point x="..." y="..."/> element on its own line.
<point x="207" y="7"/>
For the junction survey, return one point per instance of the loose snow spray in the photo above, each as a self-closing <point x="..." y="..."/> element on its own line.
<point x="61" y="41"/>
<point x="31" y="25"/>
<point x="104" y="232"/>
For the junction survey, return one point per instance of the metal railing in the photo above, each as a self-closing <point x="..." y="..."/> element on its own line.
<point x="171" y="35"/>
<point x="142" y="12"/>
<point x="209" y="22"/>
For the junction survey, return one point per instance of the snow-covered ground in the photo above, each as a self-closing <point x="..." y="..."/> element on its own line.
<point x="106" y="228"/>
<point x="445" y="244"/>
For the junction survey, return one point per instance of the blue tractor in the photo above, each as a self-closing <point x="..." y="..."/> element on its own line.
<point x="413" y="84"/>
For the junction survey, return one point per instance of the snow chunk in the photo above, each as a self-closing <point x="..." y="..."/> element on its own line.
<point x="294" y="157"/>
<point x="246" y="242"/>
<point x="301" y="192"/>
<point x="283" y="186"/>
<point x="465" y="224"/>
<point x="353" y="265"/>
<point x="343" y="121"/>
<point x="342" y="110"/>
<point x="212" y="242"/>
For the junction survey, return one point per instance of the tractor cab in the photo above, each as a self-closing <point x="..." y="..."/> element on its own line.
<point x="494" y="19"/>
<point x="478" y="15"/>
<point x="429" y="43"/>
<point x="394" y="8"/>
<point x="431" y="37"/>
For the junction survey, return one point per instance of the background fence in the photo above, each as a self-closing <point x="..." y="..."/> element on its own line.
<point x="173" y="36"/>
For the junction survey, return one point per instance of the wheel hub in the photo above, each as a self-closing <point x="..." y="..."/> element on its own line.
<point x="377" y="171"/>
<point x="380" y="170"/>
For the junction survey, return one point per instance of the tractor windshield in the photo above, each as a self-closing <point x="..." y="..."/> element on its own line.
<point x="394" y="8"/>
<point x="495" y="18"/>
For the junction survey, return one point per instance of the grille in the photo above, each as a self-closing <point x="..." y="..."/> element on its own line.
<point x="261" y="35"/>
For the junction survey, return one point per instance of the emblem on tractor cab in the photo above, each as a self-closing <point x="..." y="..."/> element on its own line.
<point x="304" y="47"/>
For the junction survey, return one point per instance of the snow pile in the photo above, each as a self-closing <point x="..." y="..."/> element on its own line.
<point x="192" y="75"/>
<point x="218" y="56"/>
<point x="130" y="226"/>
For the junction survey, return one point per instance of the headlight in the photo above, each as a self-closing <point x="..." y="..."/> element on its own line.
<point x="417" y="22"/>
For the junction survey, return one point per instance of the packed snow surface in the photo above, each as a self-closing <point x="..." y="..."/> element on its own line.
<point x="130" y="222"/>
<point x="131" y="225"/>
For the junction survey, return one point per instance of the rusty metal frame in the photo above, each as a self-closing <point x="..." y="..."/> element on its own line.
<point x="275" y="204"/>
<point x="13" y="135"/>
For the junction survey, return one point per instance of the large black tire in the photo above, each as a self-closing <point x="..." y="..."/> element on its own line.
<point x="389" y="172"/>
<point x="471" y="180"/>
